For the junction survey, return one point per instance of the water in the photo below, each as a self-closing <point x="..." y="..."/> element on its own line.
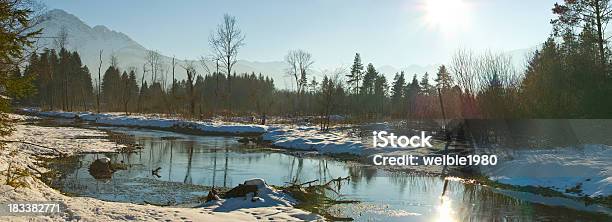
<point x="192" y="164"/>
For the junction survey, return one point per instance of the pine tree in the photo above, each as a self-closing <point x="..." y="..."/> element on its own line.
<point x="381" y="86"/>
<point x="111" y="88"/>
<point x="313" y="85"/>
<point x="443" y="80"/>
<point x="368" y="80"/>
<point x="356" y="74"/>
<point x="380" y="91"/>
<point x="398" y="87"/>
<point x="426" y="88"/>
<point x="412" y="89"/>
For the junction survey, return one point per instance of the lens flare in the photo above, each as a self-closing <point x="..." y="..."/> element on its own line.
<point x="447" y="16"/>
<point x="445" y="211"/>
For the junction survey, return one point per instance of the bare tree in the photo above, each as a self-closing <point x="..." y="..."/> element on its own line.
<point x="142" y="79"/>
<point x="204" y="63"/>
<point x="496" y="70"/>
<point x="204" y="60"/>
<point x="99" y="83"/>
<point x="191" y="73"/>
<point x="299" y="62"/>
<point x="153" y="59"/>
<point x="173" y="76"/>
<point x="225" y="42"/>
<point x="173" y="85"/>
<point x="329" y="89"/>
<point x="463" y="66"/>
<point x="114" y="61"/>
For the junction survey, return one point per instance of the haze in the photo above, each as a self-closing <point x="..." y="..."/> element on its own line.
<point x="393" y="32"/>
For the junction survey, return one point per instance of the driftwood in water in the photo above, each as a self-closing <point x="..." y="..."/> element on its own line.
<point x="313" y="197"/>
<point x="213" y="195"/>
<point x="155" y="172"/>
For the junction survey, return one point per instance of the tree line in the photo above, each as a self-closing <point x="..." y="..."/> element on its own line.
<point x="569" y="76"/>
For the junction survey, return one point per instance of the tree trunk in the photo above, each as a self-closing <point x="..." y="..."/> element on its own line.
<point x="600" y="34"/>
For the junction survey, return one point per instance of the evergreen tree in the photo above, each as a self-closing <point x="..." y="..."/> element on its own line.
<point x="426" y="88"/>
<point x="313" y="85"/>
<point x="368" y="80"/>
<point x="381" y="88"/>
<point x="443" y="80"/>
<point x="112" y="88"/>
<point x="397" y="89"/>
<point x="356" y="74"/>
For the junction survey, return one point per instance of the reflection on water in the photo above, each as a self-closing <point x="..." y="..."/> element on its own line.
<point x="189" y="165"/>
<point x="445" y="210"/>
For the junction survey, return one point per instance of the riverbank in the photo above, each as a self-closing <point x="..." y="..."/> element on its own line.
<point x="582" y="171"/>
<point x="286" y="136"/>
<point x="571" y="171"/>
<point x="157" y="122"/>
<point x="23" y="158"/>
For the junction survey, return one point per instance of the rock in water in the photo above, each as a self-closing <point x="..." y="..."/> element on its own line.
<point x="249" y="186"/>
<point x="104" y="160"/>
<point x="101" y="168"/>
<point x="260" y="183"/>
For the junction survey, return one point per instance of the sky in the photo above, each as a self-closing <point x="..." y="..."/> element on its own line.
<point x="385" y="32"/>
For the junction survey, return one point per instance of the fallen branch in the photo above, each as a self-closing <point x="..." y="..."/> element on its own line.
<point x="302" y="184"/>
<point x="339" y="179"/>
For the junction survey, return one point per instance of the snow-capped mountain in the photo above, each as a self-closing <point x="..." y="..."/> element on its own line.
<point x="88" y="41"/>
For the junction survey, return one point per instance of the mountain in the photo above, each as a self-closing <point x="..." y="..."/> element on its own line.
<point x="88" y="41"/>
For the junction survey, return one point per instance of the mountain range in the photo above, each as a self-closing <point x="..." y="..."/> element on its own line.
<point x="88" y="41"/>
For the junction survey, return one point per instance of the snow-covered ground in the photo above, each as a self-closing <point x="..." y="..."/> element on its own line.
<point x="334" y="141"/>
<point x="584" y="170"/>
<point x="273" y="205"/>
<point x="309" y="138"/>
<point x="156" y="122"/>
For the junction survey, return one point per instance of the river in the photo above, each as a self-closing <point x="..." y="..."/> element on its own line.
<point x="190" y="165"/>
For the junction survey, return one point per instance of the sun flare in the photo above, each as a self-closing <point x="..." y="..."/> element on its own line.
<point x="445" y="15"/>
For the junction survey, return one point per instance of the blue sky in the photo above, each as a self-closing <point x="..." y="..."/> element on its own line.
<point x="386" y="32"/>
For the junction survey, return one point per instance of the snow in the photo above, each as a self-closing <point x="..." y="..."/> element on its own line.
<point x="68" y="140"/>
<point x="334" y="141"/>
<point x="267" y="197"/>
<point x="310" y="138"/>
<point x="560" y="169"/>
<point x="306" y="138"/>
<point x="272" y="205"/>
<point x="105" y="160"/>
<point x="155" y="122"/>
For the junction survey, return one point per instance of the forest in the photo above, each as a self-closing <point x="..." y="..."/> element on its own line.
<point x="568" y="76"/>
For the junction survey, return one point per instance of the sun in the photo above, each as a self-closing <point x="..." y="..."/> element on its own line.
<point x="447" y="16"/>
